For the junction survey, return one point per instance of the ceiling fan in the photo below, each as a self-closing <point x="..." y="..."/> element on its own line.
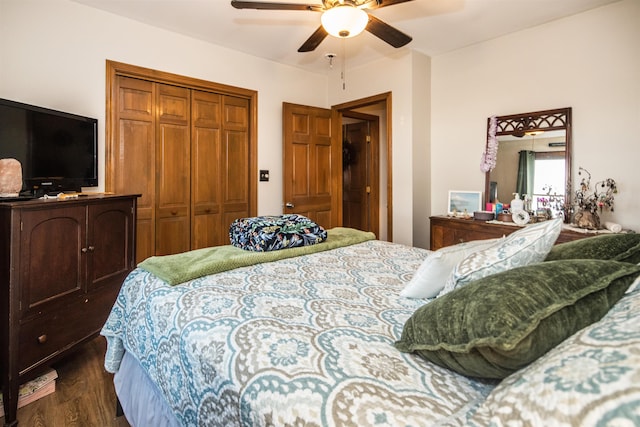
<point x="340" y="18"/>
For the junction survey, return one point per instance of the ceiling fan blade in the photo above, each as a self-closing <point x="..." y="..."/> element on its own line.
<point x="314" y="41"/>
<point x="275" y="6"/>
<point x="377" y="4"/>
<point x="386" y="32"/>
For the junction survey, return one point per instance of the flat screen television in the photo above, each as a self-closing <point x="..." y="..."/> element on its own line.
<point x="58" y="151"/>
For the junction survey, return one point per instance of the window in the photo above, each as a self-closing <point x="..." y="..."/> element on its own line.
<point x="549" y="179"/>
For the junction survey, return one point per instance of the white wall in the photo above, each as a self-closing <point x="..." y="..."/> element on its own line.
<point x="53" y="53"/>
<point x="590" y="62"/>
<point x="420" y="99"/>
<point x="395" y="75"/>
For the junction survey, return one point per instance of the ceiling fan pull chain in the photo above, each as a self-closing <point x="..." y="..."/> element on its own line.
<point x="343" y="74"/>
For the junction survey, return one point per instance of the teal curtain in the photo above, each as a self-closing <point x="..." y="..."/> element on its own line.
<point x="526" y="170"/>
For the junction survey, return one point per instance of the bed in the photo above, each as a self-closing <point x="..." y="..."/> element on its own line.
<point x="312" y="339"/>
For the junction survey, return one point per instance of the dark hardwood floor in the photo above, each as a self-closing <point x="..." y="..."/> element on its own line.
<point x="84" y="395"/>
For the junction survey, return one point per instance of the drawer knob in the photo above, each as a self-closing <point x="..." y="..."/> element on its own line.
<point x="42" y="339"/>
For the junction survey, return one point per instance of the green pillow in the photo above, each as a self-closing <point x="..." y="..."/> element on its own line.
<point x="619" y="247"/>
<point x="496" y="325"/>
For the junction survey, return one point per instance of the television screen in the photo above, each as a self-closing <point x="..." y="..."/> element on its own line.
<point x="57" y="150"/>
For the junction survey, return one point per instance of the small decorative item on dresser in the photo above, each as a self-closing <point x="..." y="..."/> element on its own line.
<point x="587" y="220"/>
<point x="461" y="201"/>
<point x="590" y="202"/>
<point x="10" y="177"/>
<point x="505" y="217"/>
<point x="520" y="216"/>
<point x="484" y="215"/>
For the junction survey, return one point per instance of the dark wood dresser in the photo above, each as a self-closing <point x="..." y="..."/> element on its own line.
<point x="447" y="231"/>
<point x="61" y="266"/>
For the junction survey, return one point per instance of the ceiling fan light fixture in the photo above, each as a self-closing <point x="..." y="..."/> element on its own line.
<point x="344" y="21"/>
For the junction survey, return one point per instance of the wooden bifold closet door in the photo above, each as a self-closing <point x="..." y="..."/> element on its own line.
<point x="189" y="153"/>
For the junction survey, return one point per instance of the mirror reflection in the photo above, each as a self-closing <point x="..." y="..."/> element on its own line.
<point x="533" y="160"/>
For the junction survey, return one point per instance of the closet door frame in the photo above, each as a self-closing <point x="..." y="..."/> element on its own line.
<point x="116" y="69"/>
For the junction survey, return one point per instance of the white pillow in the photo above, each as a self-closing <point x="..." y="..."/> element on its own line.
<point x="432" y="274"/>
<point x="525" y="246"/>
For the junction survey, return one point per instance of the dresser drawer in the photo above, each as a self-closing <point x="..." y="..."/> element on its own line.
<point x="446" y="231"/>
<point x="43" y="337"/>
<point x="469" y="235"/>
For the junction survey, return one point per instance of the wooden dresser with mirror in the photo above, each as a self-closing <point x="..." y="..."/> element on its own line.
<point x="533" y="159"/>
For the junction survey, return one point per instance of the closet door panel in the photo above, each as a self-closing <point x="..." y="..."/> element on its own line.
<point x="173" y="149"/>
<point x="235" y="152"/>
<point x="236" y="113"/>
<point x="235" y="163"/>
<point x="132" y="160"/>
<point x="206" y="122"/>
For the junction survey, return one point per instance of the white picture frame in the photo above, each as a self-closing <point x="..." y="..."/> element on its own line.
<point x="459" y="201"/>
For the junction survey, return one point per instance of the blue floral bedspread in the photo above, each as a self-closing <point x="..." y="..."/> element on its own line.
<point x="302" y="341"/>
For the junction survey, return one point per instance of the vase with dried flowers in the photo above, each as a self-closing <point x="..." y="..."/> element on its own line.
<point x="592" y="202"/>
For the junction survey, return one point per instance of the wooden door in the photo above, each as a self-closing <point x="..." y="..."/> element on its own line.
<point x="361" y="173"/>
<point x="311" y="169"/>
<point x="132" y="155"/>
<point x="355" y="200"/>
<point x="173" y="178"/>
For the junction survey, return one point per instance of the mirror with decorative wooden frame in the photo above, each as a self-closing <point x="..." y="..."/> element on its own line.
<point x="533" y="158"/>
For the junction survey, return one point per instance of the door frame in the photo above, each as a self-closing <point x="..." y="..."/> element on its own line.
<point x="337" y="112"/>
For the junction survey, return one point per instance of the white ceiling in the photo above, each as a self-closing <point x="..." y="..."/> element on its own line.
<point x="437" y="26"/>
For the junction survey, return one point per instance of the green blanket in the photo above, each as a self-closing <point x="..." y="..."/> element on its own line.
<point x="186" y="266"/>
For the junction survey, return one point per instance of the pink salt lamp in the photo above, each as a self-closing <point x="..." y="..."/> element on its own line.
<point x="10" y="177"/>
